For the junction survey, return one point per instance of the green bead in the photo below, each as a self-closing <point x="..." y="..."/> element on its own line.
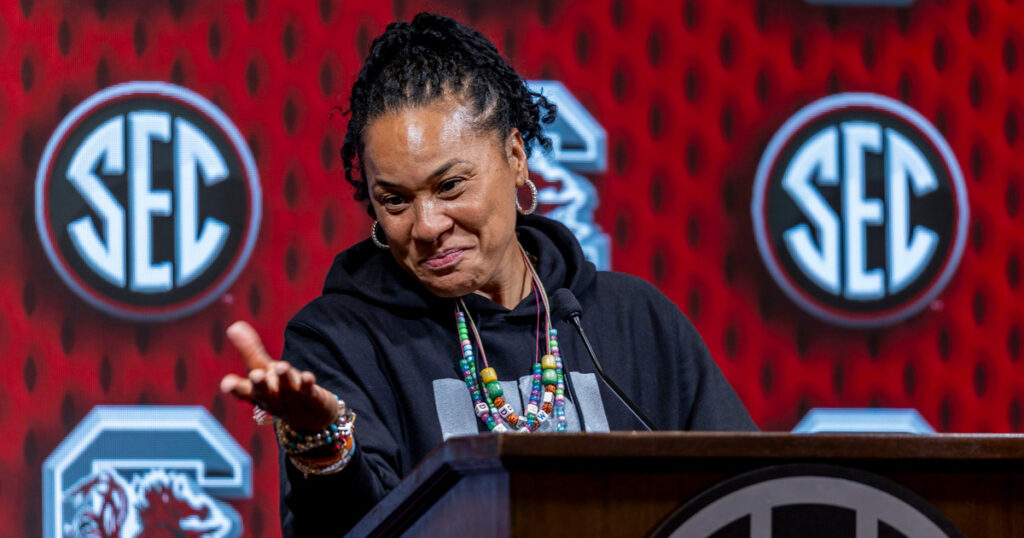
<point x="559" y="392"/>
<point x="548" y="377"/>
<point x="494" y="389"/>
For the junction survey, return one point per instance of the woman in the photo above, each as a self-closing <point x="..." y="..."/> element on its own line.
<point x="436" y="325"/>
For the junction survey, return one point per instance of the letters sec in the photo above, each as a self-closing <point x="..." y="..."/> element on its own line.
<point x="147" y="201"/>
<point x="860" y="210"/>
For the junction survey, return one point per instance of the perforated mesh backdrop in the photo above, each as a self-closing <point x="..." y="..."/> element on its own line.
<point x="689" y="93"/>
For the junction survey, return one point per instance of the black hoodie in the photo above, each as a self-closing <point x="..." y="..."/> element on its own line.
<point x="390" y="349"/>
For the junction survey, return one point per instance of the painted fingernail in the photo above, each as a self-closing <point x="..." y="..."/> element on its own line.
<point x="257" y="376"/>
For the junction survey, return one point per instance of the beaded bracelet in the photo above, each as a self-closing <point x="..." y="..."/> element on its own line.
<point x="297" y="443"/>
<point x="322" y="466"/>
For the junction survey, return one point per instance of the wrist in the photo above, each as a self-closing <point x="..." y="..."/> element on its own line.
<point x="323" y="451"/>
<point x="322" y="465"/>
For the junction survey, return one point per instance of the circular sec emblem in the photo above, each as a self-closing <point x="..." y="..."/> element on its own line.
<point x="147" y="201"/>
<point x="800" y="500"/>
<point x="860" y="210"/>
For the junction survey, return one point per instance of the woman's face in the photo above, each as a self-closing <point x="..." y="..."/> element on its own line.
<point x="444" y="193"/>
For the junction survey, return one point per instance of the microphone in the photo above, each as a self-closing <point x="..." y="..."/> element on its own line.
<point x="568" y="304"/>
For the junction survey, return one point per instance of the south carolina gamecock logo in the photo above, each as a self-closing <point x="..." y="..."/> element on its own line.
<point x="578" y="144"/>
<point x="155" y="504"/>
<point x="145" y="472"/>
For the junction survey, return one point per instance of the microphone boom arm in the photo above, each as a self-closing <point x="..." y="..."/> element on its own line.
<point x="575" y="319"/>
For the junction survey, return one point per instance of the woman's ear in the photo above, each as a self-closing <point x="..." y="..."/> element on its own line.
<point x="515" y="150"/>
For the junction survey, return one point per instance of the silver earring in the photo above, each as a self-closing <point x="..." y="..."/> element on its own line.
<point x="373" y="235"/>
<point x="533" y="199"/>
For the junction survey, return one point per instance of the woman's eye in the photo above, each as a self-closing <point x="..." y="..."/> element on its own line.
<point x="450" y="185"/>
<point x="392" y="200"/>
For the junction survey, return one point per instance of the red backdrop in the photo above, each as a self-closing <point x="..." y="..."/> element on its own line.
<point x="689" y="92"/>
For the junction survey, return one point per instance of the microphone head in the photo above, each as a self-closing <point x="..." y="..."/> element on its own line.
<point x="565" y="305"/>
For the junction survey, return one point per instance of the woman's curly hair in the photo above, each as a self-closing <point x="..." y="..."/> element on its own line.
<point x="432" y="57"/>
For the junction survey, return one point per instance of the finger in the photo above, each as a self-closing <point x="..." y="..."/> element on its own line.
<point x="273" y="382"/>
<point x="248" y="343"/>
<point x="236" y="385"/>
<point x="308" y="382"/>
<point x="258" y="378"/>
<point x="291" y="381"/>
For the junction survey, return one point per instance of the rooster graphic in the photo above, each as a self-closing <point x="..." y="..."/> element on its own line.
<point x="156" y="504"/>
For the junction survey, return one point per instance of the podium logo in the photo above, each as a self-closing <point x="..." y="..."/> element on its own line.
<point x="147" y="201"/>
<point x="860" y="210"/>
<point x="807" y="500"/>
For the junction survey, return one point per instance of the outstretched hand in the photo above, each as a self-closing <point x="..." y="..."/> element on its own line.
<point x="283" y="390"/>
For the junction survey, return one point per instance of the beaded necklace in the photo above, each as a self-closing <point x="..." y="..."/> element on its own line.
<point x="488" y="397"/>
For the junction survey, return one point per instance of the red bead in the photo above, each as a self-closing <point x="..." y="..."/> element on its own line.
<point x="547" y="408"/>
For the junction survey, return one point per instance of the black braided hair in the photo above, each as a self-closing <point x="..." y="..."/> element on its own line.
<point x="433" y="57"/>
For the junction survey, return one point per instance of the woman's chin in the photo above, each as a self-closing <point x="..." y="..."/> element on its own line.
<point x="448" y="289"/>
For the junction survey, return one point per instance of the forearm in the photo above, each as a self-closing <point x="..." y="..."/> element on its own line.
<point x="312" y="504"/>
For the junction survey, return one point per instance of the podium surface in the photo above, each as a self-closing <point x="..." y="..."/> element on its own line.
<point x="629" y="483"/>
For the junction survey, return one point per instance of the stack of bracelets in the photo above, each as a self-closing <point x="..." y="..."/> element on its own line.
<point x="324" y="452"/>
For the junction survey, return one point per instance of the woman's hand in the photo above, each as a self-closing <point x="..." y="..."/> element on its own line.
<point x="284" y="391"/>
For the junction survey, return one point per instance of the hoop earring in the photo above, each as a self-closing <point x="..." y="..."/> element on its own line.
<point x="533" y="199"/>
<point x="373" y="236"/>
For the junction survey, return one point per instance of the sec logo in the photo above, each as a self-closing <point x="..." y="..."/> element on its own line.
<point x="147" y="201"/>
<point x="860" y="210"/>
<point x="802" y="500"/>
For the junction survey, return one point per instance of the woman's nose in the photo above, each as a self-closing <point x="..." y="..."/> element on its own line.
<point x="430" y="222"/>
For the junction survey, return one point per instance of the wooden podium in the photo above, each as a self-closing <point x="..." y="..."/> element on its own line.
<point x="627" y="484"/>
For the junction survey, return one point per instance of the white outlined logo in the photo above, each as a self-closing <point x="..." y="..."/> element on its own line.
<point x="142" y="470"/>
<point x="578" y="144"/>
<point x="807" y="500"/>
<point x="147" y="201"/>
<point x="860" y="210"/>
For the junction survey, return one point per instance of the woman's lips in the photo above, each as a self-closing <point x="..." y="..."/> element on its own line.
<point x="444" y="259"/>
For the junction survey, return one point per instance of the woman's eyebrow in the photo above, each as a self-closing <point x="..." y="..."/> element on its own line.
<point x="444" y="167"/>
<point x="437" y="172"/>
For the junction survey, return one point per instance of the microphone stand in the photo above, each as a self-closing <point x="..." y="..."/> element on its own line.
<point x="575" y="319"/>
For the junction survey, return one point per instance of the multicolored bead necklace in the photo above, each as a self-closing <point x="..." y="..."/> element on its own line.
<point x="488" y="397"/>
